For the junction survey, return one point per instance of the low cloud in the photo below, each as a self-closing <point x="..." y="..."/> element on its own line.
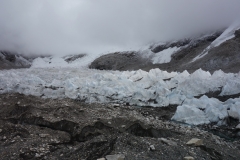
<point x="98" y="26"/>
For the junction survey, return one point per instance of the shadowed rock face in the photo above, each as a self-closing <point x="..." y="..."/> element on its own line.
<point x="9" y="56"/>
<point x="70" y="59"/>
<point x="160" y="48"/>
<point x="10" y="60"/>
<point x="237" y="33"/>
<point x="225" y="57"/>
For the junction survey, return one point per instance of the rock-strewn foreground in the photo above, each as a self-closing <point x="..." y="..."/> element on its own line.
<point x="36" y="128"/>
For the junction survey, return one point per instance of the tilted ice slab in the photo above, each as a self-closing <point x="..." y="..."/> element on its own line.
<point x="154" y="88"/>
<point x="206" y="110"/>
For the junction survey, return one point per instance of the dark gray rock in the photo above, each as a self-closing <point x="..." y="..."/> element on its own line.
<point x="70" y="59"/>
<point x="9" y="56"/>
<point x="119" y="61"/>
<point x="237" y="33"/>
<point x="115" y="157"/>
<point x="168" y="142"/>
<point x="9" y="60"/>
<point x="162" y="47"/>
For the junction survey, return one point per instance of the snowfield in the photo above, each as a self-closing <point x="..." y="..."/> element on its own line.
<point x="154" y="88"/>
<point x="164" y="56"/>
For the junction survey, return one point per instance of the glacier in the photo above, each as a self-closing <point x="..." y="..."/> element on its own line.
<point x="155" y="88"/>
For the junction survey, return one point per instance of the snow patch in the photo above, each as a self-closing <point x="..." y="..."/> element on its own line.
<point x="164" y="56"/>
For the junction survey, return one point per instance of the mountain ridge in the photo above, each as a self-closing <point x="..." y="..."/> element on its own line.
<point x="185" y="54"/>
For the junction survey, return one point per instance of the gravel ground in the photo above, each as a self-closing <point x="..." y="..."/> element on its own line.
<point x="35" y="128"/>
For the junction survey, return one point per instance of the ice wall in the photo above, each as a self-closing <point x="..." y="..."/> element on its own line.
<point x="154" y="88"/>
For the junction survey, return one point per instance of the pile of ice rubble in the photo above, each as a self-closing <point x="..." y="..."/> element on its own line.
<point x="154" y="88"/>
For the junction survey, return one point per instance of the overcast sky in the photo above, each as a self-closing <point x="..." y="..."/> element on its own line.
<point x="97" y="26"/>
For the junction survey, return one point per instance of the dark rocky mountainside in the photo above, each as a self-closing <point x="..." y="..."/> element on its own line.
<point x="35" y="128"/>
<point x="9" y="60"/>
<point x="225" y="56"/>
<point x="120" y="61"/>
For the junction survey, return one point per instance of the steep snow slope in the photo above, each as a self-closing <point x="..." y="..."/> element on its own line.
<point x="164" y="56"/>
<point x="226" y="35"/>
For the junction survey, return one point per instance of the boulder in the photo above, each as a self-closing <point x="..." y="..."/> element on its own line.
<point x="195" y="142"/>
<point x="168" y="142"/>
<point x="43" y="135"/>
<point x="115" y="157"/>
<point x="233" y="114"/>
<point x="152" y="148"/>
<point x="188" y="158"/>
<point x="238" y="126"/>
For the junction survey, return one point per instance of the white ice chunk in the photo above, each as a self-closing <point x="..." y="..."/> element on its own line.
<point x="231" y="87"/>
<point x="190" y="115"/>
<point x="200" y="74"/>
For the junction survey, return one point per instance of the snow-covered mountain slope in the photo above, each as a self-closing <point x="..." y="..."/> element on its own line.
<point x="71" y="61"/>
<point x="228" y="34"/>
<point x="10" y="60"/>
<point x="210" y="51"/>
<point x="165" y="55"/>
<point x="154" y="88"/>
<point x="218" y="50"/>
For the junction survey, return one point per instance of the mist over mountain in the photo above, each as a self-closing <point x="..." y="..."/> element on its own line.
<point x="62" y="27"/>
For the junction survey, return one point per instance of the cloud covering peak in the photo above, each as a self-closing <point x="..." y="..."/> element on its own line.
<point x="96" y="26"/>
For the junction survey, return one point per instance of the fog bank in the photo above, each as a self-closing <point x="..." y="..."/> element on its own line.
<point x="98" y="26"/>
